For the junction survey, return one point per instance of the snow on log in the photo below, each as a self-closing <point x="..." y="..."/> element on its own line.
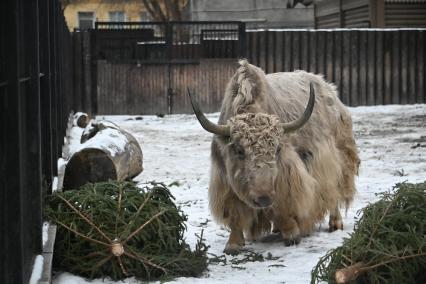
<point x="107" y="152"/>
<point x="80" y="119"/>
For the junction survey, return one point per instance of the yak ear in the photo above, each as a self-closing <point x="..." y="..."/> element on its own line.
<point x="250" y="83"/>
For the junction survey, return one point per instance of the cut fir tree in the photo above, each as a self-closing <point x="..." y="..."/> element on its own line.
<point x="118" y="230"/>
<point x="388" y="244"/>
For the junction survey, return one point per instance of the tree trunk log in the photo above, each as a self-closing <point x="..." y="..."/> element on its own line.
<point x="349" y="273"/>
<point x="106" y="153"/>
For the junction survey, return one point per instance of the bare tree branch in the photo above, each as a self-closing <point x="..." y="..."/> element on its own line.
<point x="165" y="10"/>
<point x="156" y="7"/>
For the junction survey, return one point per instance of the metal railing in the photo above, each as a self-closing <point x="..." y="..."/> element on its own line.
<point x="36" y="94"/>
<point x="168" y="41"/>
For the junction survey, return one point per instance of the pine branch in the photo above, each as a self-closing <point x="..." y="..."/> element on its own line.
<point x="90" y="222"/>
<point x="144" y="224"/>
<point x="378" y="223"/>
<point x="144" y="260"/>
<point x="133" y="218"/>
<point x="121" y="265"/>
<point x="120" y="195"/>
<point x="80" y="234"/>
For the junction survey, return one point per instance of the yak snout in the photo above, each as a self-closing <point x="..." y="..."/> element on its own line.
<point x="263" y="201"/>
<point x="262" y="190"/>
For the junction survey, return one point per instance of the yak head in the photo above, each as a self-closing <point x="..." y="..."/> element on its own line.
<point x="252" y="150"/>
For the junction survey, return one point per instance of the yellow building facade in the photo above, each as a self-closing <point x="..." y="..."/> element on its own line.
<point x="82" y="14"/>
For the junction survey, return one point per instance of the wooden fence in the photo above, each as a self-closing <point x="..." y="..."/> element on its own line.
<point x="125" y="88"/>
<point x="36" y="93"/>
<point x="369" y="67"/>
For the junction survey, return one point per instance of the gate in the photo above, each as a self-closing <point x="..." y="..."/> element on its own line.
<point x="145" y="68"/>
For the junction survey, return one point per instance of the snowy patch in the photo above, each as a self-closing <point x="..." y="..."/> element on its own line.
<point x="177" y="150"/>
<point x="37" y="270"/>
<point x="113" y="142"/>
<point x="45" y="235"/>
<point x="55" y="182"/>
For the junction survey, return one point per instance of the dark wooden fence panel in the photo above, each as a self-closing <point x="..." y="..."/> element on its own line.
<point x="125" y="88"/>
<point x="369" y="67"/>
<point x="206" y="80"/>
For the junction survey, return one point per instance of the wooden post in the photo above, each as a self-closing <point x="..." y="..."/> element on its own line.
<point x="377" y="13"/>
<point x="341" y="16"/>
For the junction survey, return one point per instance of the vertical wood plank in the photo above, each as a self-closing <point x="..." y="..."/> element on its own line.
<point x="396" y="67"/>
<point x="354" y="93"/>
<point x="421" y="66"/>
<point x="320" y="53"/>
<point x="287" y="51"/>
<point x="329" y="56"/>
<point x="379" y="68"/>
<point x="363" y="68"/>
<point x="387" y="66"/>
<point x="346" y="65"/>
<point x="271" y="52"/>
<point x="404" y="67"/>
<point x="313" y="51"/>
<point x="371" y="67"/>
<point x="249" y="40"/>
<point x="337" y="74"/>
<point x="279" y="37"/>
<point x="295" y="50"/>
<point x="263" y="46"/>
<point x="411" y="62"/>
<point x="304" y="54"/>
<point x="255" y="47"/>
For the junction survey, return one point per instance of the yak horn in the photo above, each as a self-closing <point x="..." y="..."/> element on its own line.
<point x="298" y="123"/>
<point x="222" y="130"/>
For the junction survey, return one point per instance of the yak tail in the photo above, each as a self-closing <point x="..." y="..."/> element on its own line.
<point x="249" y="82"/>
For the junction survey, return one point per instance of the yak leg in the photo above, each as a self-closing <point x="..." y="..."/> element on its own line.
<point x="335" y="221"/>
<point x="235" y="241"/>
<point x="289" y="230"/>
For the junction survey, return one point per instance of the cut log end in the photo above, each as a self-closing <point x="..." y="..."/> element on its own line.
<point x="349" y="273"/>
<point x="88" y="165"/>
<point x="81" y="119"/>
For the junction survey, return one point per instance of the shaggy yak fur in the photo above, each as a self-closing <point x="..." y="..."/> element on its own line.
<point x="268" y="184"/>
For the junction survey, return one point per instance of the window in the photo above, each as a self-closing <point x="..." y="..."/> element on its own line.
<point x="117" y="16"/>
<point x="86" y="20"/>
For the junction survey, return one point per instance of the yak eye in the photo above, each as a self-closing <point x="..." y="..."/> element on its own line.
<point x="239" y="151"/>
<point x="278" y="150"/>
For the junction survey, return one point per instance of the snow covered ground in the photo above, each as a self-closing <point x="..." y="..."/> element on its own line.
<point x="392" y="146"/>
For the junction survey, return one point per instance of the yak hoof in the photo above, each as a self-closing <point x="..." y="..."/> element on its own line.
<point x="232" y="249"/>
<point x="272" y="238"/>
<point x="292" y="242"/>
<point x="335" y="225"/>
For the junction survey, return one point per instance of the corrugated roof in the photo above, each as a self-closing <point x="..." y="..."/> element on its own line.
<point x="405" y="1"/>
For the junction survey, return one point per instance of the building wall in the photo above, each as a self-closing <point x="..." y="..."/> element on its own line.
<point x="370" y="13"/>
<point x="256" y="13"/>
<point x="101" y="8"/>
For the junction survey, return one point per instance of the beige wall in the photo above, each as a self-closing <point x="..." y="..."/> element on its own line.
<point x="101" y="9"/>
